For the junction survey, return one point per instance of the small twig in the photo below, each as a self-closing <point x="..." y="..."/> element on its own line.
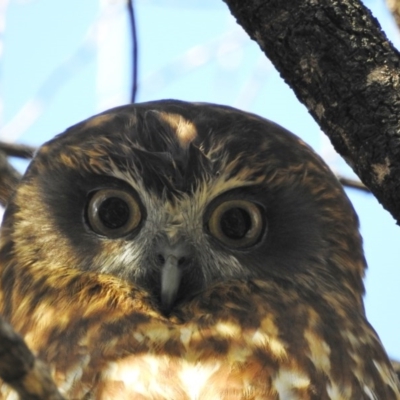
<point x="131" y="13"/>
<point x="17" y="150"/>
<point x="351" y="183"/>
<point x="9" y="179"/>
<point x="9" y="176"/>
<point x="19" y="368"/>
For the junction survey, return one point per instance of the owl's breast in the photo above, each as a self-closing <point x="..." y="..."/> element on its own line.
<point x="162" y="377"/>
<point x="222" y="361"/>
<point x="106" y="339"/>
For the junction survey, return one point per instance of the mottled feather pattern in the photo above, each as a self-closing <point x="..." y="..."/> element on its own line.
<point x="235" y="338"/>
<point x="281" y="318"/>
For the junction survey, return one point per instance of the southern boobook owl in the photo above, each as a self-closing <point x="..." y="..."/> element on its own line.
<point x="173" y="250"/>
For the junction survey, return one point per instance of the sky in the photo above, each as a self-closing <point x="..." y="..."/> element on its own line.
<point x="63" y="61"/>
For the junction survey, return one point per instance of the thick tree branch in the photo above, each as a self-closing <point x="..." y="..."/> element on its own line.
<point x="342" y="67"/>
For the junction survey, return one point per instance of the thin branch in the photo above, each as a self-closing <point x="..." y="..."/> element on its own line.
<point x="131" y="13"/>
<point x="353" y="184"/>
<point x="9" y="176"/>
<point x="19" y="368"/>
<point x="9" y="179"/>
<point x="17" y="150"/>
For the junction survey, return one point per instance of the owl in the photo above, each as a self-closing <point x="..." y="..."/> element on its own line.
<point x="174" y="250"/>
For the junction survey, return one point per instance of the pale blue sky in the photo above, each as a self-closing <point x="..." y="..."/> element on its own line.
<point x="65" y="60"/>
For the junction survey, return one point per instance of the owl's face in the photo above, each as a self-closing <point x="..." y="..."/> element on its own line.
<point x="175" y="196"/>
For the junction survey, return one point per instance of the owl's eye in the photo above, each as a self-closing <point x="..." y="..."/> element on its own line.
<point x="113" y="213"/>
<point x="236" y="223"/>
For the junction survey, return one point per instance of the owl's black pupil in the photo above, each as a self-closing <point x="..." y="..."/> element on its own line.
<point x="113" y="212"/>
<point x="235" y="223"/>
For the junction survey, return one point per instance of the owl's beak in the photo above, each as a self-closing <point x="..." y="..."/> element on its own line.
<point x="170" y="281"/>
<point x="173" y="259"/>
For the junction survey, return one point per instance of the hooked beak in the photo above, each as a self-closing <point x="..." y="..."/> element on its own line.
<point x="174" y="260"/>
<point x="170" y="281"/>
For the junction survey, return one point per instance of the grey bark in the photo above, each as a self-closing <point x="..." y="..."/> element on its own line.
<point x="340" y="64"/>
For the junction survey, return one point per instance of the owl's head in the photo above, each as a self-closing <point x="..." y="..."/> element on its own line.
<point x="175" y="196"/>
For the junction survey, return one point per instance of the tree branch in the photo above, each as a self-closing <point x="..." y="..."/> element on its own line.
<point x="353" y="184"/>
<point x="17" y="150"/>
<point x="19" y="368"/>
<point x="9" y="178"/>
<point x="339" y="63"/>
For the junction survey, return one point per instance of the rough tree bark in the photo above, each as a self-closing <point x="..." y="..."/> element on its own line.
<point x="339" y="63"/>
